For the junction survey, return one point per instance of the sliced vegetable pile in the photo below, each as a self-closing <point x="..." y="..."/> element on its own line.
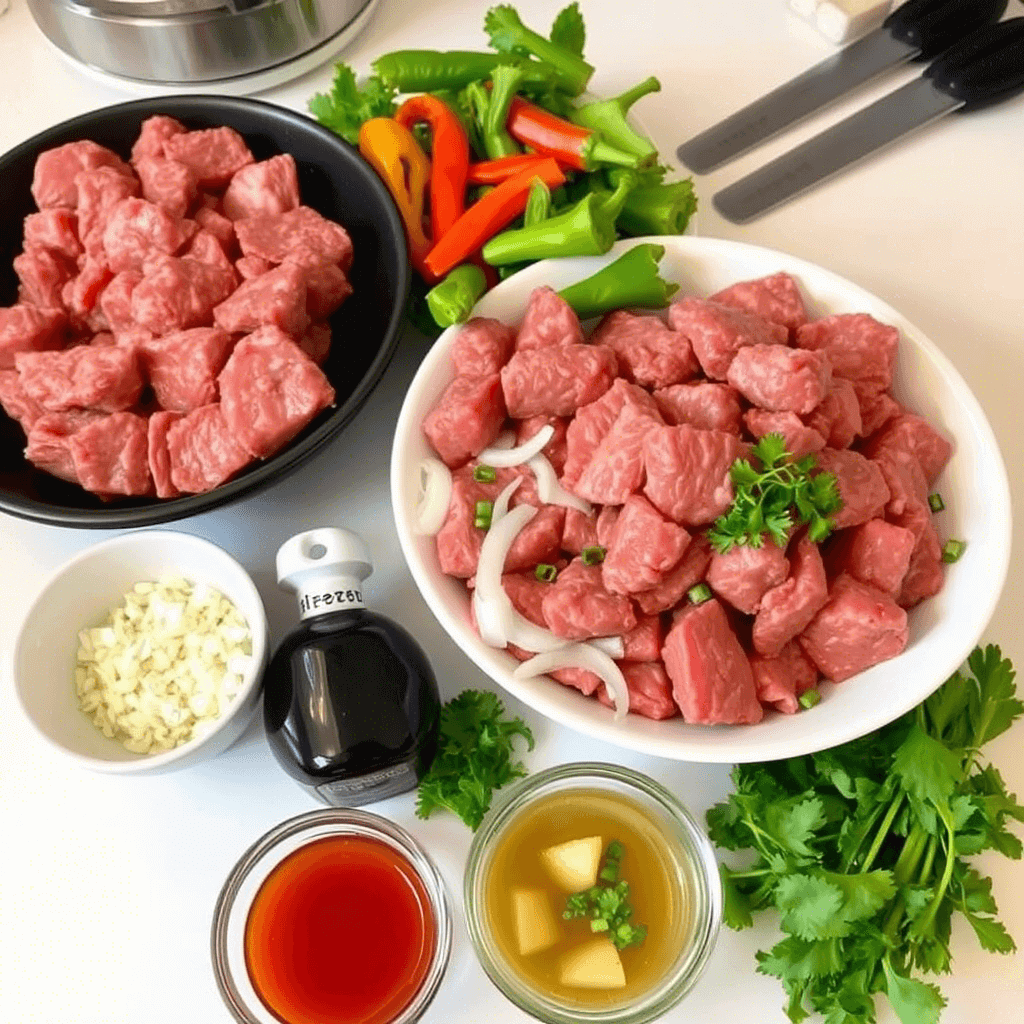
<point x="861" y="850"/>
<point x="495" y="162"/>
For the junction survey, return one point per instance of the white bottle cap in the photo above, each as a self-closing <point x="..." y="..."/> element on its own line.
<point x="325" y="568"/>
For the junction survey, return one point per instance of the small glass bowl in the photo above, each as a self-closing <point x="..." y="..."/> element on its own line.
<point x="686" y="847"/>
<point x="248" y="875"/>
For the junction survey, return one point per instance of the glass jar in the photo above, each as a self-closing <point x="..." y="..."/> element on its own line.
<point x="263" y="858"/>
<point x="692" y="869"/>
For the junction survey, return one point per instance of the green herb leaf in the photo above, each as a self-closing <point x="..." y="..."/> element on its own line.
<point x="568" y="30"/>
<point x="347" y="105"/>
<point x="913" y="1001"/>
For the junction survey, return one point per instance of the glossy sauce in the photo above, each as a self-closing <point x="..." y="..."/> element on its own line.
<point x="341" y="932"/>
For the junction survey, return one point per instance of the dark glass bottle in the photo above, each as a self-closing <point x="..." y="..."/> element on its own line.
<point x="350" y="704"/>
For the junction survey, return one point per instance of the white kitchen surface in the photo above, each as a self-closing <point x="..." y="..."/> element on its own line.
<point x="107" y="885"/>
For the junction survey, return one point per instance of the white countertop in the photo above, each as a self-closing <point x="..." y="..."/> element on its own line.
<point x="107" y="885"/>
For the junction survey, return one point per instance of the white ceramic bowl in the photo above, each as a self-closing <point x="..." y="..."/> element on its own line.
<point x="943" y="630"/>
<point x="82" y="593"/>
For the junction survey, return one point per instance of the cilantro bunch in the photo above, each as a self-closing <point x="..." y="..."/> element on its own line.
<point x="773" y="499"/>
<point x="474" y="757"/>
<point x="861" y="850"/>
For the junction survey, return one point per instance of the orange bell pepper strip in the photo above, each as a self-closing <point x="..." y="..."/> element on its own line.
<point x="393" y="152"/>
<point x="494" y="172"/>
<point x="489" y="215"/>
<point x="449" y="156"/>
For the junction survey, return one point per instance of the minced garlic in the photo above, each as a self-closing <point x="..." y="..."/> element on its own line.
<point x="164" y="665"/>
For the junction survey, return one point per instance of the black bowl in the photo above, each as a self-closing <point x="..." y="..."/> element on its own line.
<point x="336" y="181"/>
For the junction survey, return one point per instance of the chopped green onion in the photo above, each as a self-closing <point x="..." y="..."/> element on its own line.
<point x="809" y="698"/>
<point x="484" y="474"/>
<point x="599" y="924"/>
<point x="952" y="550"/>
<point x="615" y="850"/>
<point x="935" y="502"/>
<point x="482" y="517"/>
<point x="699" y="594"/>
<point x="545" y="573"/>
<point x="610" y="872"/>
<point x="593" y="555"/>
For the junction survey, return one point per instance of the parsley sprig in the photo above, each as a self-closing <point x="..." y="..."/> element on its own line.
<point x="348" y="105"/>
<point x="861" y="851"/>
<point x="773" y="499"/>
<point x="475" y="756"/>
<point x="607" y="906"/>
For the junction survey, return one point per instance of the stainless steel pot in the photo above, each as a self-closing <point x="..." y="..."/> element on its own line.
<point x="184" y="42"/>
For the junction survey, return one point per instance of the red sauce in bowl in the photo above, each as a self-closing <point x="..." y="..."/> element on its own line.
<point x="341" y="932"/>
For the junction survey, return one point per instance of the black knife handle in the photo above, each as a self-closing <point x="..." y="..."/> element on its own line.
<point x="984" y="68"/>
<point x="934" y="25"/>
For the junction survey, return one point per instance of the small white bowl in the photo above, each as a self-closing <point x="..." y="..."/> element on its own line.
<point x="943" y="630"/>
<point x="81" y="594"/>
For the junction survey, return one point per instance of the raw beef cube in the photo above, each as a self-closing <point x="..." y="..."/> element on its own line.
<point x="82" y="293"/>
<point x="539" y="541"/>
<point x="779" y="378"/>
<point x="327" y="287"/>
<point x="606" y="520"/>
<point x="925" y="573"/>
<point x="558" y="381"/>
<point x="159" y="457"/>
<point x="593" y="421"/>
<point x="53" y="180"/>
<point x="85" y="377"/>
<point x="269" y="390"/>
<point x="644" y="641"/>
<point x="278" y="298"/>
<point x="167" y="184"/>
<point x="579" y="531"/>
<point x="99" y="192"/>
<point x="203" y="451"/>
<point x="267" y="188"/>
<point x="800" y="440"/>
<point x="649" y="352"/>
<point x="858" y="627"/>
<point x="219" y="226"/>
<point x="578" y="607"/>
<point x="526" y="593"/>
<point x="467" y="418"/>
<point x="688" y="472"/>
<point x="787" y="609"/>
<point x="650" y="690"/>
<point x="302" y="230"/>
<point x="42" y="275"/>
<point x="781" y="680"/>
<point x="718" y="332"/>
<point x="482" y="347"/>
<point x="49" y="441"/>
<point x="252" y="266"/>
<point x="643" y="549"/>
<point x="711" y="677"/>
<point x="859" y="347"/>
<point x="29" y="329"/>
<point x="55" y="229"/>
<point x="116" y="301"/>
<point x="16" y="403"/>
<point x="179" y="293"/>
<point x="705" y="405"/>
<point x="687" y="573"/>
<point x="316" y="342"/>
<point x="213" y="154"/>
<point x="876" y="408"/>
<point x="204" y="248"/>
<point x="861" y="486"/>
<point x="616" y="469"/>
<point x="458" y="541"/>
<point x="909" y="433"/>
<point x="776" y="298"/>
<point x="904" y="478"/>
<point x="877" y="553"/>
<point x="555" y="450"/>
<point x="182" y="367"/>
<point x="549" y="321"/>
<point x="837" y="419"/>
<point x="137" y="231"/>
<point x="578" y="678"/>
<point x="744" y="574"/>
<point x="155" y="131"/>
<point x="111" y="455"/>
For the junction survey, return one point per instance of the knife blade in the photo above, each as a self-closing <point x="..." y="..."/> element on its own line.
<point x="982" y="69"/>
<point x="917" y="30"/>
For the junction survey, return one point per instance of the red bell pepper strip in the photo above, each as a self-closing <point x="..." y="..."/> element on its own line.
<point x="571" y="144"/>
<point x="449" y="156"/>
<point x="494" y="172"/>
<point x="488" y="216"/>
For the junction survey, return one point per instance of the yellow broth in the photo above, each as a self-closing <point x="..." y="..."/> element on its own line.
<point x="657" y="891"/>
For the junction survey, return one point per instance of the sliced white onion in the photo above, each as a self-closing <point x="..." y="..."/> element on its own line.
<point x="550" y="491"/>
<point x="500" y="509"/>
<point x="585" y="656"/>
<point x="433" y="497"/>
<point x="613" y="646"/>
<point x="504" y="458"/>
